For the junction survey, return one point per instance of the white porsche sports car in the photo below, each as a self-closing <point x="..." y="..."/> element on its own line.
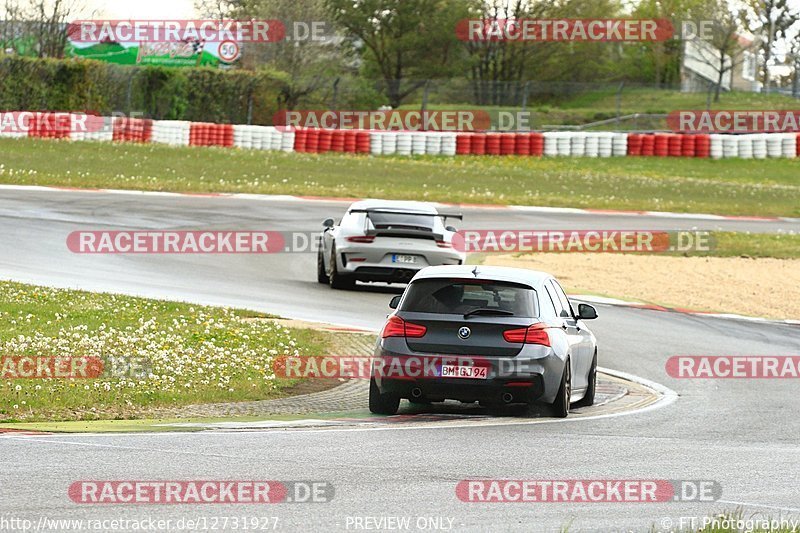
<point x="385" y="241"/>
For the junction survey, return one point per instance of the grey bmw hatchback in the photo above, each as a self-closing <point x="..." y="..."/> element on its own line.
<point x="498" y="336"/>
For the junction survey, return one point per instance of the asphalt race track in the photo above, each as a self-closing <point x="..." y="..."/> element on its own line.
<point x="739" y="433"/>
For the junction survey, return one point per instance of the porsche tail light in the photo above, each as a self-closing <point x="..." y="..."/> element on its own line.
<point x="397" y="327"/>
<point x="364" y="239"/>
<point x="443" y="244"/>
<point x="535" y="334"/>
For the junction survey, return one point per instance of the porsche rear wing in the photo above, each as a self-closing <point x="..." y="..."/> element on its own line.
<point x="408" y="231"/>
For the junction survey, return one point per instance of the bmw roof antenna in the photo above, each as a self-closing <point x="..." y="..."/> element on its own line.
<point x="475" y="272"/>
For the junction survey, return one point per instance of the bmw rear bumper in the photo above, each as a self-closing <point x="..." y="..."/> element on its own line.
<point x="526" y="389"/>
<point x="533" y="375"/>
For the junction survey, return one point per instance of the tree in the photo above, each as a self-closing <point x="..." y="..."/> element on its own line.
<point x="43" y="21"/>
<point x="11" y="25"/>
<point x="404" y="42"/>
<point x="302" y="66"/>
<point x="770" y="19"/>
<point x="719" y="45"/>
<point x="665" y="57"/>
<point x="497" y="67"/>
<point x="794" y="59"/>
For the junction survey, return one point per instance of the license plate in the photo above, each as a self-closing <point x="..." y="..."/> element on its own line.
<point x="404" y="259"/>
<point x="468" y="372"/>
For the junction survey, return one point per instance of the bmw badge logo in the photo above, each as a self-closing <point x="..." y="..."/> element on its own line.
<point x="464" y="332"/>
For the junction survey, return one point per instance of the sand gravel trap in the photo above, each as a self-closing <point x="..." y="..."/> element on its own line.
<point x="754" y="287"/>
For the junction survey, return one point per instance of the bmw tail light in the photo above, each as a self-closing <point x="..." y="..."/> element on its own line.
<point x="535" y="334"/>
<point x="415" y="330"/>
<point x="364" y="239"/>
<point x="397" y="327"/>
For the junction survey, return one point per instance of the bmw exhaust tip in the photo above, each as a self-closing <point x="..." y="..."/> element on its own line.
<point x="416" y="392"/>
<point x="507" y="397"/>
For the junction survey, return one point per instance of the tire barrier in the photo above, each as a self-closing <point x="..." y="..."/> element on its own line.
<point x="96" y="129"/>
<point x="493" y="144"/>
<point x="207" y="134"/>
<point x="730" y="146"/>
<point x="80" y="127"/>
<point x="433" y="143"/>
<point x="325" y="141"/>
<point x="389" y="143"/>
<point x="449" y="143"/>
<point x="403" y="143"/>
<point x="478" y="144"/>
<point x="137" y="130"/>
<point x="173" y="132"/>
<point x="376" y="143"/>
<point x="551" y="143"/>
<point x="50" y="125"/>
<point x="463" y="143"/>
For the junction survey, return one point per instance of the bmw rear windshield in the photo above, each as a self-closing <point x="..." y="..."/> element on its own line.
<point x="449" y="296"/>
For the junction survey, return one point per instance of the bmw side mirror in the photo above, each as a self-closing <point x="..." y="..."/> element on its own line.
<point x="586" y="312"/>
<point x="328" y="223"/>
<point x="395" y="302"/>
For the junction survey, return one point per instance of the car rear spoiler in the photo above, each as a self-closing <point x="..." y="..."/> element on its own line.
<point x="410" y="232"/>
<point x="458" y="216"/>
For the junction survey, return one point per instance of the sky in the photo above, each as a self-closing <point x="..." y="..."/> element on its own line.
<point x="143" y="9"/>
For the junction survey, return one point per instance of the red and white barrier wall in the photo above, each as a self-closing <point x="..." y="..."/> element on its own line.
<point x="79" y="127"/>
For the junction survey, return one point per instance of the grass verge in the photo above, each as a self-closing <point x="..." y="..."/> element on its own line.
<point x="155" y="354"/>
<point x="601" y="104"/>
<point x="753" y="245"/>
<point x="732" y="186"/>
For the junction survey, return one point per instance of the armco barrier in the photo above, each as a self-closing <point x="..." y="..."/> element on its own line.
<point x="314" y="140"/>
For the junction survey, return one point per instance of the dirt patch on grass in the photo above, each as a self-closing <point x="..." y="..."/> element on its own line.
<point x="761" y="287"/>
